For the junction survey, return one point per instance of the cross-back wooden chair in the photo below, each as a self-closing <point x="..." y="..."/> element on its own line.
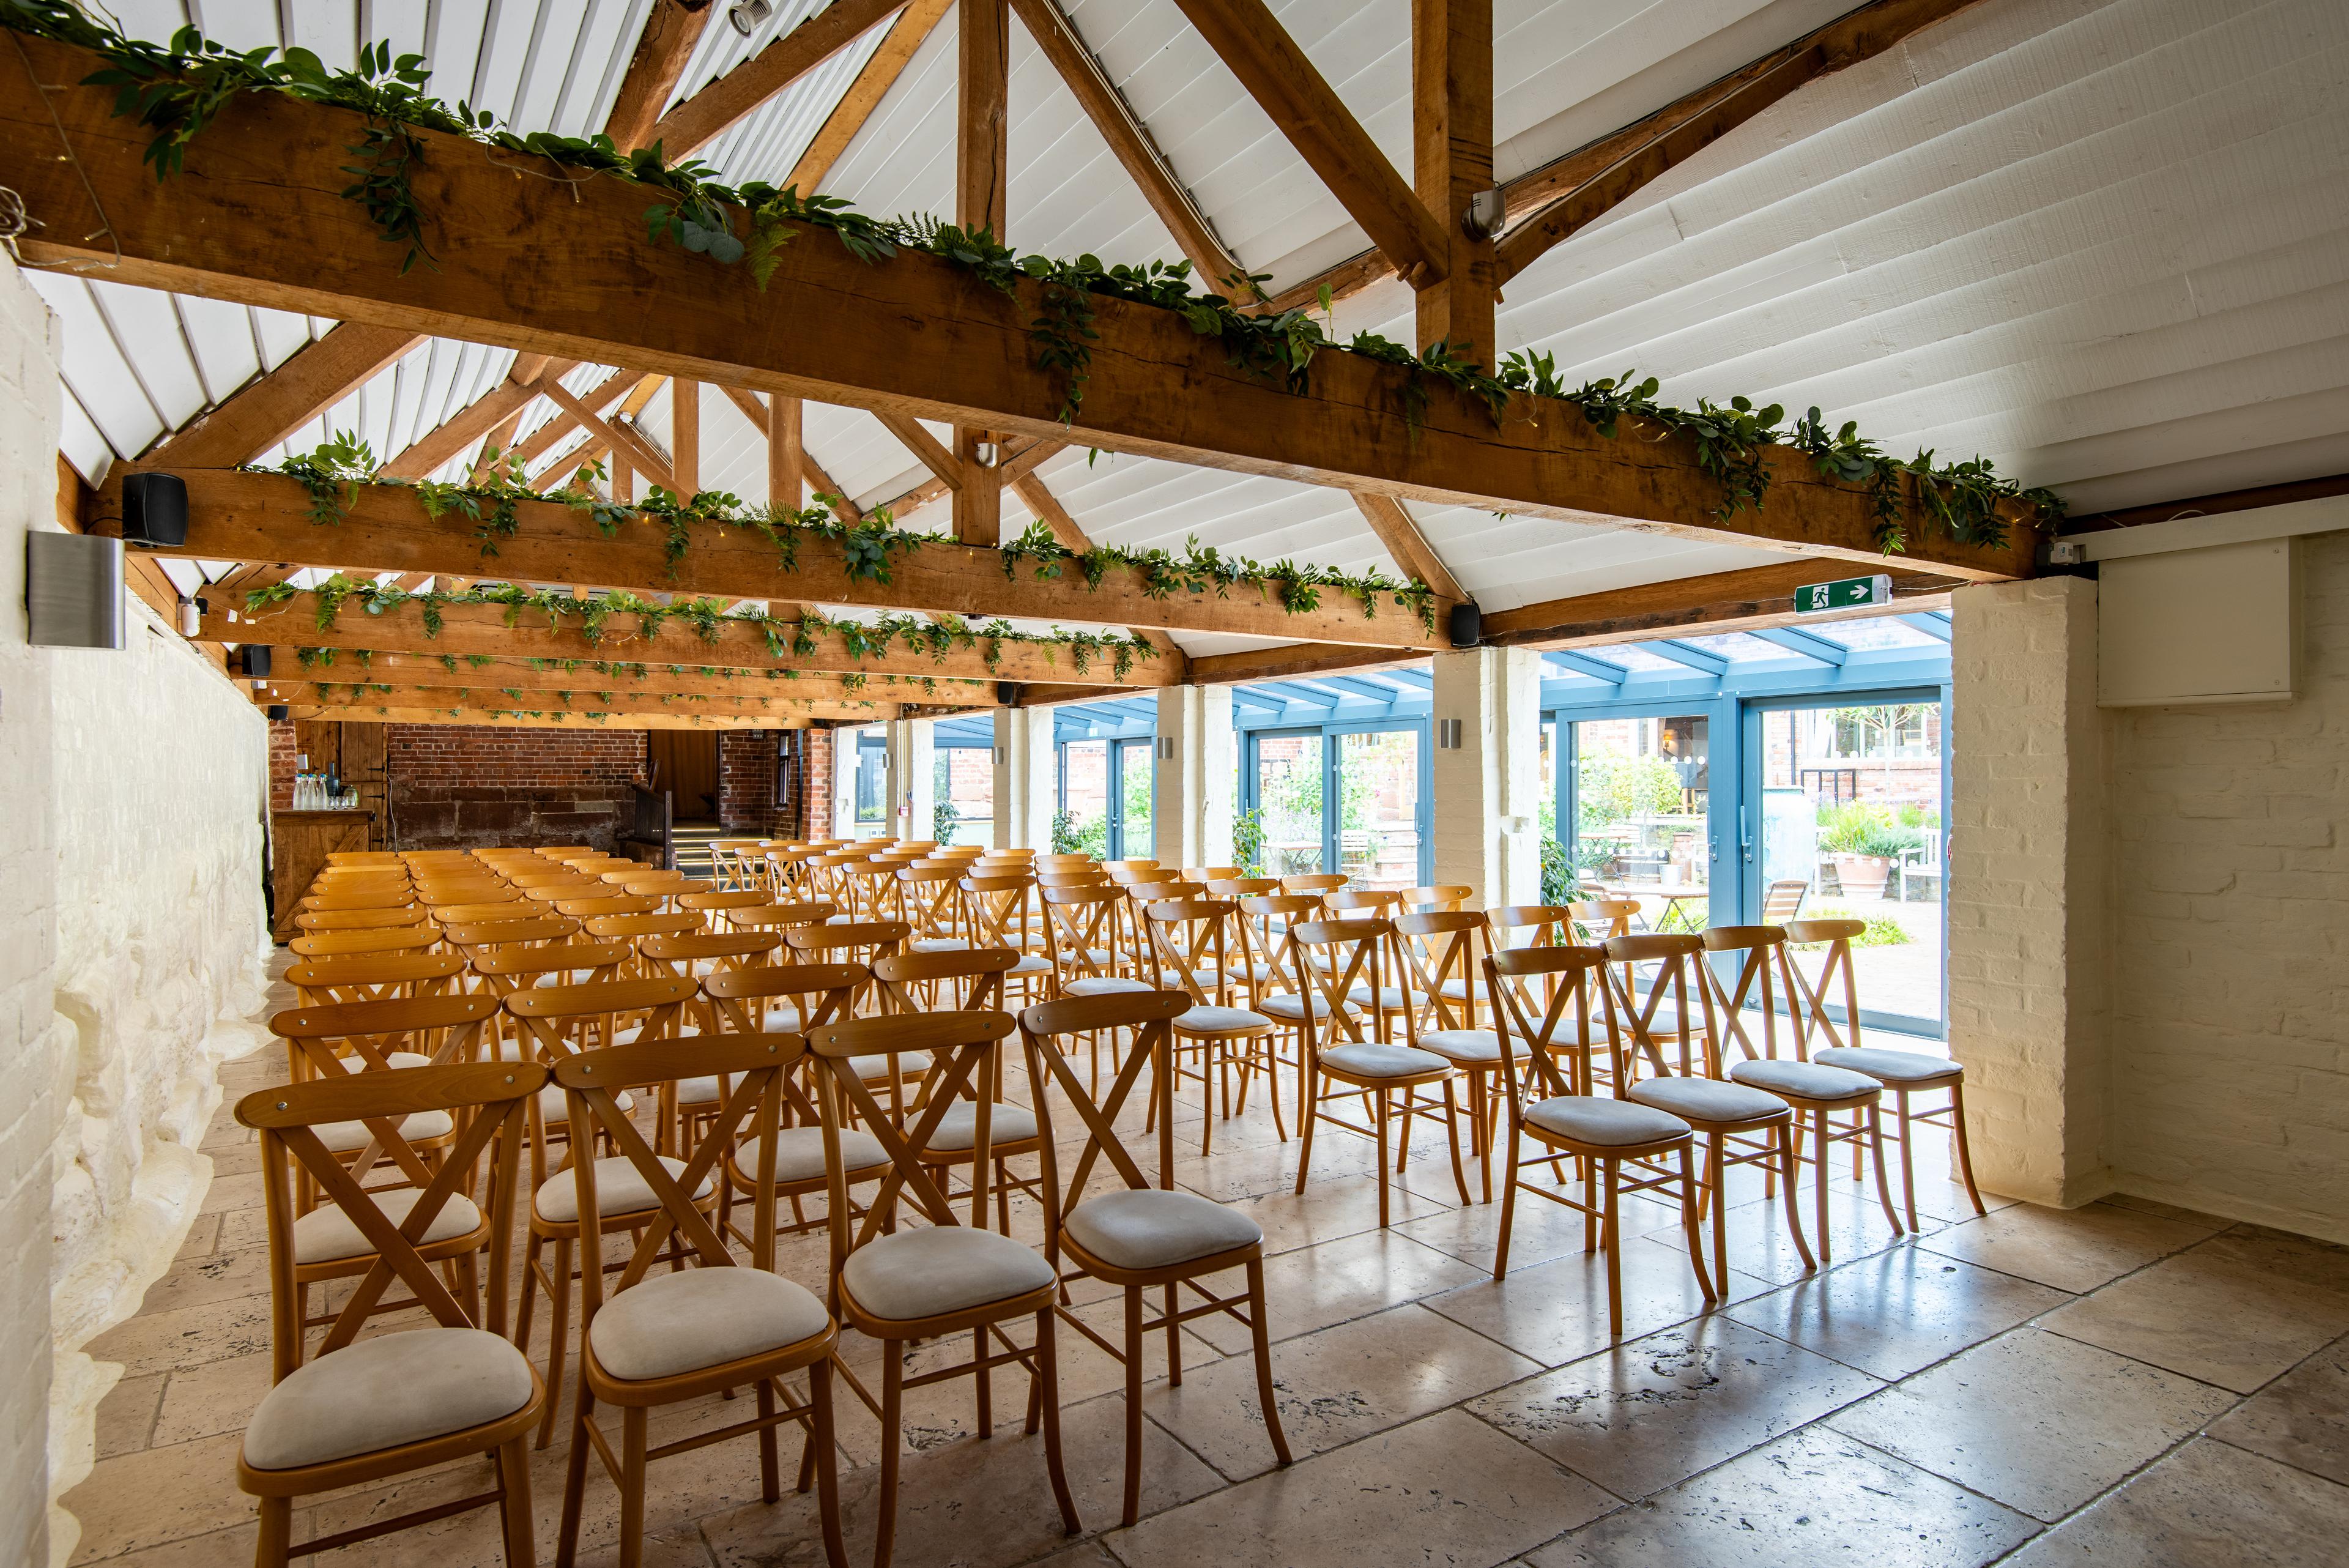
<point x="849" y="942"/>
<point x="635" y="929"/>
<point x="471" y="890"/>
<point x="1529" y="926"/>
<point x="552" y="895"/>
<point x="1818" y="1094"/>
<point x="725" y="862"/>
<point x="344" y="944"/>
<point x="702" y="956"/>
<point x="1380" y="904"/>
<point x="929" y="899"/>
<point x="503" y="972"/>
<point x="374" y="920"/>
<point x="1081" y="928"/>
<point x="1370" y="1067"/>
<point x="498" y="936"/>
<point x="1443" y="953"/>
<point x="1739" y="1125"/>
<point x="1597" y="920"/>
<point x="721" y="906"/>
<point x="600" y="903"/>
<point x="781" y="917"/>
<point x="895" y="1285"/>
<point x="1141" y="1234"/>
<point x="710" y="1326"/>
<point x="1195" y="946"/>
<point x="1277" y="988"/>
<point x="373" y="977"/>
<point x="1001" y="911"/>
<point x="1438" y="897"/>
<point x="1905" y="1073"/>
<point x="1543" y="1018"/>
<point x="365" y="1409"/>
<point x="966" y="981"/>
<point x="558" y="1021"/>
<point x="447" y="915"/>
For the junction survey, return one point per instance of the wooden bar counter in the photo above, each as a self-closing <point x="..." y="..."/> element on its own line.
<point x="299" y="843"/>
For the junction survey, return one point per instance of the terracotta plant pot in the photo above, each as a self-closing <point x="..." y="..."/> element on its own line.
<point x="1862" y="876"/>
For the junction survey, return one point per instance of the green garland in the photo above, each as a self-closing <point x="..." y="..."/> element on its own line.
<point x="786" y="636"/>
<point x="177" y="90"/>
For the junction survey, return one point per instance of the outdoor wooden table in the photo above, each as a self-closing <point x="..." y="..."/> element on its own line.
<point x="1673" y="898"/>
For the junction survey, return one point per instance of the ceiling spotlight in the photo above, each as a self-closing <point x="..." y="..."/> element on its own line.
<point x="987" y="452"/>
<point x="746" y="16"/>
<point x="192" y="619"/>
<point x="1487" y="211"/>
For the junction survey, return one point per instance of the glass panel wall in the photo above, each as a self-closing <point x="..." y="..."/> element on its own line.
<point x="1640" y="797"/>
<point x="1379" y="800"/>
<point x="1130" y="833"/>
<point x="871" y="794"/>
<point x="963" y="787"/>
<point x="1288" y="792"/>
<point x="1082" y="825"/>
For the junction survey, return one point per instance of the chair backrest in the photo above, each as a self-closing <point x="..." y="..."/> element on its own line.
<point x="1600" y="918"/>
<point x="1145" y="1019"/>
<point x="1357" y="952"/>
<point x="391" y="896"/>
<point x="363" y="858"/>
<point x="1670" y="955"/>
<point x="929" y="899"/>
<point x="1811" y="1013"/>
<point x="1438" y="896"/>
<point x="509" y="970"/>
<point x="469" y="891"/>
<point x="1314" y="882"/>
<point x="1064" y="862"/>
<point x="1080" y="923"/>
<point x="636" y="927"/>
<point x="1188" y="935"/>
<point x="752" y="1067"/>
<point x="969" y="980"/>
<point x="780" y="917"/>
<point x="487" y="1098"/>
<point x="444" y="1028"/>
<point x="1762" y="948"/>
<point x="1132" y="870"/>
<point x="329" y="944"/>
<point x="447" y="915"/>
<point x="1783" y="900"/>
<point x="863" y="941"/>
<point x="1243" y="887"/>
<point x="594" y="906"/>
<point x="556" y="1017"/>
<point x="1085" y="876"/>
<point x="722" y="951"/>
<point x="531" y="932"/>
<point x="964" y="1059"/>
<point x="820" y="992"/>
<point x="373" y="977"/>
<point x="1526" y="1017"/>
<point x="1443" y="946"/>
<point x="1362" y="900"/>
<point x="1529" y="925"/>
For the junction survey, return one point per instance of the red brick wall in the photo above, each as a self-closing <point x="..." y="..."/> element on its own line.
<point x="281" y="765"/>
<point x="815" y="812"/>
<point x="746" y="779"/>
<point x="464" y="786"/>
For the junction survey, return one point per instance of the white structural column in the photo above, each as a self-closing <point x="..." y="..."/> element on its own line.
<point x="2029" y="941"/>
<point x="1025" y="784"/>
<point x="843" y="822"/>
<point x="1195" y="770"/>
<point x="913" y="779"/>
<point x="1487" y="739"/>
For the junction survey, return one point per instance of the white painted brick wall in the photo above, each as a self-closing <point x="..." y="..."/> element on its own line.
<point x="1024" y="783"/>
<point x="2028" y="901"/>
<point x="913" y="778"/>
<point x="2231" y="880"/>
<point x="1191" y="792"/>
<point x="1486" y="806"/>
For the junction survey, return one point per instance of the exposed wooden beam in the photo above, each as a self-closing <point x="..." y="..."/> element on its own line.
<point x="928" y="449"/>
<point x="1046" y="505"/>
<point x="484" y="628"/>
<point x="1452" y="162"/>
<point x="982" y="175"/>
<point x="865" y="94"/>
<point x="663" y="49"/>
<point x="1717" y="601"/>
<point x="621" y="437"/>
<point x="702" y="117"/>
<point x="1269" y="63"/>
<point x="496" y="674"/>
<point x="1295" y="658"/>
<point x="1130" y="141"/>
<point x="366" y="695"/>
<point x="1031" y="454"/>
<point x="2210" y="505"/>
<point x="786" y="454"/>
<point x="451" y="437"/>
<point x="244" y="517"/>
<point x="754" y="409"/>
<point x="834" y="327"/>
<point x="276" y="403"/>
<point x="685" y="435"/>
<point x="1569" y="192"/>
<point x="1391" y="522"/>
<point x="542" y="720"/>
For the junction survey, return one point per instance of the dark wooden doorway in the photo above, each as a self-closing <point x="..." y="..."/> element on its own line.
<point x="355" y="752"/>
<point x="684" y="763"/>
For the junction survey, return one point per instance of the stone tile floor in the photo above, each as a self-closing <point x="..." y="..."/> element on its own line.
<point x="2123" y="1383"/>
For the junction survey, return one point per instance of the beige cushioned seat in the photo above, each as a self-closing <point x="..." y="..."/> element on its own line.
<point x="394" y="1059"/>
<point x="1152" y="1228"/>
<point x="940" y="945"/>
<point x="1034" y="963"/>
<point x="1242" y="973"/>
<point x="1376" y="1061"/>
<point x="874" y="1069"/>
<point x="700" y="1091"/>
<point x="1906" y="1068"/>
<point x="1102" y="986"/>
<point x="959" y="1128"/>
<point x="340" y="1136"/>
<point x="620" y="1189"/>
<point x="325" y="1234"/>
<point x="701" y="1317"/>
<point x="1290" y="1009"/>
<point x="1221" y="1020"/>
<point x="942" y="1269"/>
<point x="1588" y="1118"/>
<point x="554" y="1104"/>
<point x="1391" y="997"/>
<point x="1808" y="1079"/>
<point x="379" y="1393"/>
<point x="630" y="1035"/>
<point x="1708" y="1099"/>
<point x="1456" y="990"/>
<point x="1469" y="1047"/>
<point x="799" y="1153"/>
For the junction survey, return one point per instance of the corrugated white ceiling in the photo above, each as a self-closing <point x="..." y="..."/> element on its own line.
<point x="2100" y="241"/>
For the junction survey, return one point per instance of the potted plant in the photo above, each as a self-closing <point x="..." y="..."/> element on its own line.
<point x="1861" y="842"/>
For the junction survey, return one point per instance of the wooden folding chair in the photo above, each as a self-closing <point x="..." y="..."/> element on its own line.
<point x="1146" y="1235"/>
<point x="663" y="1338"/>
<point x="942" y="1278"/>
<point x="331" y="1422"/>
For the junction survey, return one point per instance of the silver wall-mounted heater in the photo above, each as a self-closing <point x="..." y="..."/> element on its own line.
<point x="73" y="590"/>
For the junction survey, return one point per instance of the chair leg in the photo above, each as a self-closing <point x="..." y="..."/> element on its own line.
<point x="1965" y="1155"/>
<point x="558" y="1333"/>
<point x="633" y="1424"/>
<point x="1132" y="1404"/>
<point x="984" y="1381"/>
<point x="1451" y="1141"/>
<point x="1786" y="1145"/>
<point x="1480" y="1126"/>
<point x="1825" y="1153"/>
<point x="514" y="1508"/>
<point x="1716" y="1171"/>
<point x="575" y="1480"/>
<point x="276" y="1540"/>
<point x="893" y="1396"/>
<point x="1174" y="1343"/>
<point x="823" y="1447"/>
<point x="1048" y="1375"/>
<point x="1876" y="1148"/>
<point x="1689" y="1226"/>
<point x="1508" y="1205"/>
<point x="1308" y="1112"/>
<point x="771" y="1473"/>
<point x="1380" y="1118"/>
<point x="1908" y="1161"/>
<point x="1261" y="1333"/>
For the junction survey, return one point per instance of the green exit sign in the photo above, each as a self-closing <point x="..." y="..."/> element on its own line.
<point x="1847" y="593"/>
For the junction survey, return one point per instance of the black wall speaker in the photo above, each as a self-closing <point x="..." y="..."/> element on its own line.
<point x="1467" y="625"/>
<point x="279" y="712"/>
<point x="155" y="509"/>
<point x="252" y="661"/>
<point x="1007" y="692"/>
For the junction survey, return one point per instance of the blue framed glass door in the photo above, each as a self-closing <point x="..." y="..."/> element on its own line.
<point x="1356" y="798"/>
<point x="1106" y="796"/>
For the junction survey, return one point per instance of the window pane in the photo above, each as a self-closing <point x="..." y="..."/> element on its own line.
<point x="1288" y="792"/>
<point x="1377" y="823"/>
<point x="964" y="790"/>
<point x="1641" y="789"/>
<point x="1083" y="823"/>
<point x="1135" y="839"/>
<point x="871" y="781"/>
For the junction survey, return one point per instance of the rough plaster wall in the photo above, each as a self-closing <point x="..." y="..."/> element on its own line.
<point x="160" y="772"/>
<point x="29" y="1089"/>
<point x="2029" y="901"/>
<point x="2230" y="883"/>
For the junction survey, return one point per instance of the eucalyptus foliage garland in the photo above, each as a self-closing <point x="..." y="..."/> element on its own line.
<point x="176" y="90"/>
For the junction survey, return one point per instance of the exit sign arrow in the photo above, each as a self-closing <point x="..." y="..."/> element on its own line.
<point x="1844" y="593"/>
